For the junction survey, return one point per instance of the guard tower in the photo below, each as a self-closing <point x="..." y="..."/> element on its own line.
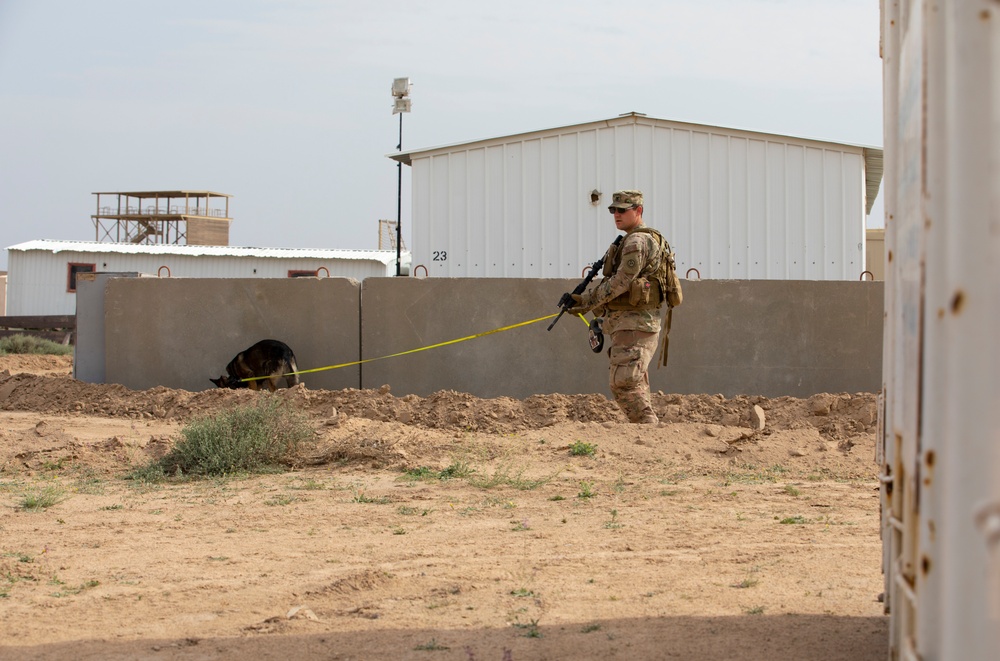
<point x="194" y="218"/>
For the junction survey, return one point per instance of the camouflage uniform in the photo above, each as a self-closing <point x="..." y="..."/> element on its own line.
<point x="634" y="330"/>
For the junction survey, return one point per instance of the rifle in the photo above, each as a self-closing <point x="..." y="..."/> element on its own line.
<point x="566" y="302"/>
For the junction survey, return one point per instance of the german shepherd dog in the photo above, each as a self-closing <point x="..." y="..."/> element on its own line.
<point x="269" y="358"/>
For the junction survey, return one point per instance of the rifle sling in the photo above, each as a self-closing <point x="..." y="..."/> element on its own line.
<point x="666" y="338"/>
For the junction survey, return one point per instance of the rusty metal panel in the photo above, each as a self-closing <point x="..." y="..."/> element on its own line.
<point x="940" y="447"/>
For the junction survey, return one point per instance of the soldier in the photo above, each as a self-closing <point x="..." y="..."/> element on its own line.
<point x="629" y="299"/>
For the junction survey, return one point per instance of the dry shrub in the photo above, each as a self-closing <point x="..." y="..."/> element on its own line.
<point x="263" y="436"/>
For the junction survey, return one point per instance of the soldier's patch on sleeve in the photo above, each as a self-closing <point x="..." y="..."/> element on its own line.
<point x="631" y="263"/>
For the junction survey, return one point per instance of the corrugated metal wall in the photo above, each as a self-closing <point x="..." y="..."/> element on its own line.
<point x="37" y="278"/>
<point x="733" y="204"/>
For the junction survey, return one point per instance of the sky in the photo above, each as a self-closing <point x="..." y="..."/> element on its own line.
<point x="286" y="105"/>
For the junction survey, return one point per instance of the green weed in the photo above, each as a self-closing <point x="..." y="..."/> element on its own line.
<point x="793" y="520"/>
<point x="281" y="499"/>
<point x="309" y="485"/>
<point x="68" y="592"/>
<point x="455" y="470"/>
<point x="613" y="524"/>
<point x="21" y="557"/>
<point x="581" y="449"/>
<point x="43" y="498"/>
<point x="505" y="475"/>
<point x="32" y="344"/>
<point x="406" y="510"/>
<point x="751" y="474"/>
<point x="532" y="629"/>
<point x="360" y="497"/>
<point x="674" y="478"/>
<point x="254" y="438"/>
<point x="59" y="464"/>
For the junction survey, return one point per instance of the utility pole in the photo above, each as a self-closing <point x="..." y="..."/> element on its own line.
<point x="401" y="104"/>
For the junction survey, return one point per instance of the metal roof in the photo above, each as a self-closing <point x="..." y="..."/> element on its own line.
<point x="383" y="256"/>
<point x="166" y="193"/>
<point x="872" y="155"/>
<point x="873" y="175"/>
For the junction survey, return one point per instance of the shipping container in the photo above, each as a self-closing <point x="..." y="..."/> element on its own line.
<point x="939" y="448"/>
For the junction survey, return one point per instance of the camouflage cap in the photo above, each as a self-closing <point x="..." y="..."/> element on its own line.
<point x="624" y="199"/>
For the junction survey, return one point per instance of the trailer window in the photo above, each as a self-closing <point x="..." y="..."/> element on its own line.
<point x="72" y="269"/>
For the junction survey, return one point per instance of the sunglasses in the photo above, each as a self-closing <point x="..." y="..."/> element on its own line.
<point x="617" y="210"/>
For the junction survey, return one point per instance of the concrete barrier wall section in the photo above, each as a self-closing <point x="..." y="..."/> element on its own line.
<point x="761" y="337"/>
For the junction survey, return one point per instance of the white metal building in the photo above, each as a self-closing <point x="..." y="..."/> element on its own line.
<point x="732" y="203"/>
<point x="42" y="274"/>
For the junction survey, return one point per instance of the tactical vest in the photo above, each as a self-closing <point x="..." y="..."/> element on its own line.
<point x="649" y="289"/>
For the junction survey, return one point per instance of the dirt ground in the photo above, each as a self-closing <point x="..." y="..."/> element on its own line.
<point x="441" y="527"/>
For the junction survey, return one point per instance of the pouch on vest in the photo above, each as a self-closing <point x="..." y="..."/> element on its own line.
<point x="638" y="292"/>
<point x="675" y="296"/>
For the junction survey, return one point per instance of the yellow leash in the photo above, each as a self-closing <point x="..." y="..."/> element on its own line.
<point x="432" y="346"/>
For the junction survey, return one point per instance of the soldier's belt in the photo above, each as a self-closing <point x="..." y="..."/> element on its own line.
<point x="625" y="305"/>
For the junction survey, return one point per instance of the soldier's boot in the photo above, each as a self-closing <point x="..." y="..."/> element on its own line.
<point x="638" y="412"/>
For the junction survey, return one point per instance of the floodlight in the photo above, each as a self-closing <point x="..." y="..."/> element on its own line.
<point x="400" y="105"/>
<point x="400" y="87"/>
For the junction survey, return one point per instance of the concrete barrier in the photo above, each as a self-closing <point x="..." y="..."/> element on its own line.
<point x="89" y="354"/>
<point x="179" y="332"/>
<point x="774" y="338"/>
<point x="407" y="313"/>
<point x="761" y="337"/>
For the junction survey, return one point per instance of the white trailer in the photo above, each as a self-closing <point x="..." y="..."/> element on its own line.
<point x="940" y="447"/>
<point x="42" y="274"/>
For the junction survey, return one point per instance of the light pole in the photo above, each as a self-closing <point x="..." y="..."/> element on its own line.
<point x="401" y="104"/>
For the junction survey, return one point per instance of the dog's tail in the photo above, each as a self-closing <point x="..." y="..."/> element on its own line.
<point x="292" y="379"/>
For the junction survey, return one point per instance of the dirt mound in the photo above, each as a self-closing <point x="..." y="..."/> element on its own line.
<point x="836" y="417"/>
<point x="824" y="435"/>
